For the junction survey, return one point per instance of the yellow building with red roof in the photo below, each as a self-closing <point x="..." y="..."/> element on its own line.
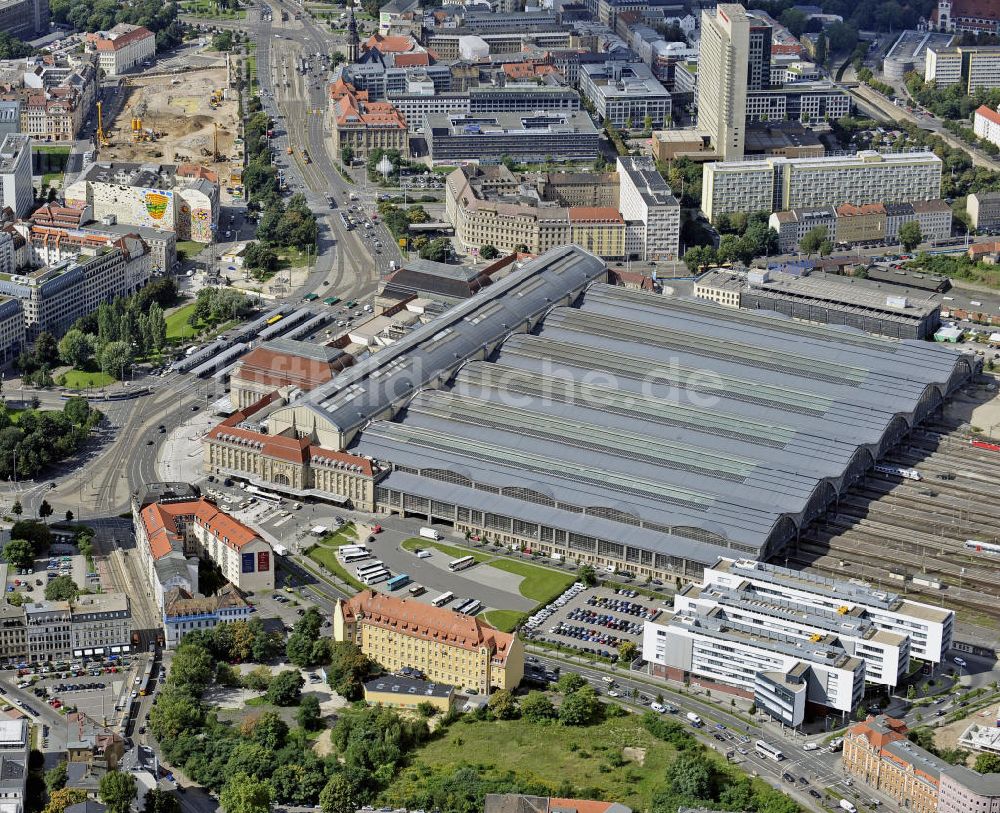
<point x="448" y="647"/>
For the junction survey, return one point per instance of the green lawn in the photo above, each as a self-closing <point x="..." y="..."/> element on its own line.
<point x="177" y="323"/>
<point x="540" y="583"/>
<point x="416" y="543"/>
<point x="292" y="257"/>
<point x="81" y="380"/>
<point x="549" y="755"/>
<point x="53" y="150"/>
<point x="345" y="535"/>
<point x="327" y="557"/>
<point x="190" y="248"/>
<point x="504" y="620"/>
<point x="49" y="177"/>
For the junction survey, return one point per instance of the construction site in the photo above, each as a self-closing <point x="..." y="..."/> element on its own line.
<point x="191" y="118"/>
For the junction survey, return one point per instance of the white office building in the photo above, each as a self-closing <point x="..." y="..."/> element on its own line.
<point x="777" y="183"/>
<point x="929" y="628"/>
<point x="986" y="124"/>
<point x="722" y="78"/>
<point x="886" y="654"/>
<point x="647" y="204"/>
<point x="16" y="190"/>
<point x="626" y="92"/>
<point x="781" y="673"/>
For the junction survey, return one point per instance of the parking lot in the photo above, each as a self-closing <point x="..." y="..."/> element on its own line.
<point x="597" y="620"/>
<point x="62" y="561"/>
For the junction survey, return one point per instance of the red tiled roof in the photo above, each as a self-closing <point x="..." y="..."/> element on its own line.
<point x="607" y="214"/>
<point x="160" y="522"/>
<point x="988" y="113"/>
<point x="850" y="210"/>
<point x="425" y="621"/>
<point x="271" y="368"/>
<point x="976" y="9"/>
<point x="197" y="171"/>
<point x="399" y="44"/>
<point x="579" y="805"/>
<point x="119" y="42"/>
<point x="412" y="60"/>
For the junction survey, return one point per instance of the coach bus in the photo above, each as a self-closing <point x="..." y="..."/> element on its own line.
<point x="461" y="564"/>
<point x="471" y="607"/>
<point x="357" y="556"/>
<point x="374" y="578"/>
<point x="343" y="550"/>
<point x="370" y="567"/>
<point x="443" y="599"/>
<point x="767" y="750"/>
<point x="398" y="581"/>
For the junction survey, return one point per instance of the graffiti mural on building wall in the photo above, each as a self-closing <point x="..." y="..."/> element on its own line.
<point x="201" y="225"/>
<point x="156" y="204"/>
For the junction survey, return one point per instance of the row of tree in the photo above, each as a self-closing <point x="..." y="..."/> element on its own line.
<point x="36" y="439"/>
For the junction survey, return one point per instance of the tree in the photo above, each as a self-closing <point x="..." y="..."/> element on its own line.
<point x="569" y="682"/>
<point x="19" y="553"/>
<point x="489" y="252"/>
<point x="698" y="257"/>
<point x="115" y="358"/>
<point x="911" y="692"/>
<point x="988" y="763"/>
<point x="193" y="668"/>
<point x="161" y="801"/>
<point x="503" y="706"/>
<point x="44" y="510"/>
<point x="117" y="791"/>
<point x="68" y="515"/>
<point x="690" y="776"/>
<point x="821" y="49"/>
<point x="285" y="688"/>
<point x="308" y="716"/>
<point x="580" y="707"/>
<point x="340" y="796"/>
<point x="222" y="41"/>
<point x="347" y="155"/>
<point x="437" y="250"/>
<point x="813" y="239"/>
<point x="910" y="235"/>
<point x="627" y="651"/>
<point x="61" y="588"/>
<point x="794" y="20"/>
<point x="55" y="778"/>
<point x="59" y="800"/>
<point x="17" y="509"/>
<point x="537" y="707"/>
<point x="587" y="575"/>
<point x="270" y="731"/>
<point x="246" y="794"/>
<point x="75" y="348"/>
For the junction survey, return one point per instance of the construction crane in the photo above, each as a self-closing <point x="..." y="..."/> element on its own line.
<point x="102" y="136"/>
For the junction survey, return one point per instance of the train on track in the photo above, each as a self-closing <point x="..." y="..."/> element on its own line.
<point x="898" y="471"/>
<point x="982" y="547"/>
<point x="982" y="444"/>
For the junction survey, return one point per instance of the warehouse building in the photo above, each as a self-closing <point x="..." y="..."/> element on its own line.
<point x="576" y="439"/>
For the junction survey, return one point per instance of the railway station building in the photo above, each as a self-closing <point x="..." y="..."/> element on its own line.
<point x="609" y="426"/>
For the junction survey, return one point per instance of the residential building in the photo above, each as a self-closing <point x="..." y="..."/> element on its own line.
<point x="974" y="67"/>
<point x="447" y="647"/>
<point x="182" y="198"/>
<point x="522" y="803"/>
<point x="725" y="50"/>
<point x="986" y="124"/>
<point x="184" y="612"/>
<point x="363" y="126"/>
<point x="860" y="224"/>
<point x="16" y="190"/>
<point x="122" y="48"/>
<point x="929" y="628"/>
<point x="878" y="753"/>
<point x="15" y="744"/>
<point x="721" y="287"/>
<point x="649" y="209"/>
<point x="92" y="626"/>
<point x="12" y="341"/>
<point x="56" y="95"/>
<point x="523" y="136"/>
<point x="984" y="211"/>
<point x="399" y="17"/>
<point x="794" y="224"/>
<point x="886" y="654"/>
<point x="24" y="19"/>
<point x="397" y="691"/>
<point x="934" y="218"/>
<point x="53" y="298"/>
<point x="92" y="749"/>
<point x="780" y="672"/>
<point x="777" y="183"/>
<point x="279" y="363"/>
<point x="188" y="527"/>
<point x="626" y="94"/>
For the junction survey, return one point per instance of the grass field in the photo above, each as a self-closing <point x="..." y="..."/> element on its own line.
<point x="49" y="178"/>
<point x="327" y="557"/>
<point x="416" y="543"/>
<point x="190" y="248"/>
<point x="81" y="380"/>
<point x="540" y="584"/>
<point x="504" y="620"/>
<point x="53" y="150"/>
<point x="550" y="754"/>
<point x="177" y="323"/>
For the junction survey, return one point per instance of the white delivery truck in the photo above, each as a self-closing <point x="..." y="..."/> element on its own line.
<point x="430" y="533"/>
<point x="694" y="719"/>
<point x="848" y="806"/>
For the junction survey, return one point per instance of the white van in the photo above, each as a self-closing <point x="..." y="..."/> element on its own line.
<point x="659" y="709"/>
<point x="423" y="554"/>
